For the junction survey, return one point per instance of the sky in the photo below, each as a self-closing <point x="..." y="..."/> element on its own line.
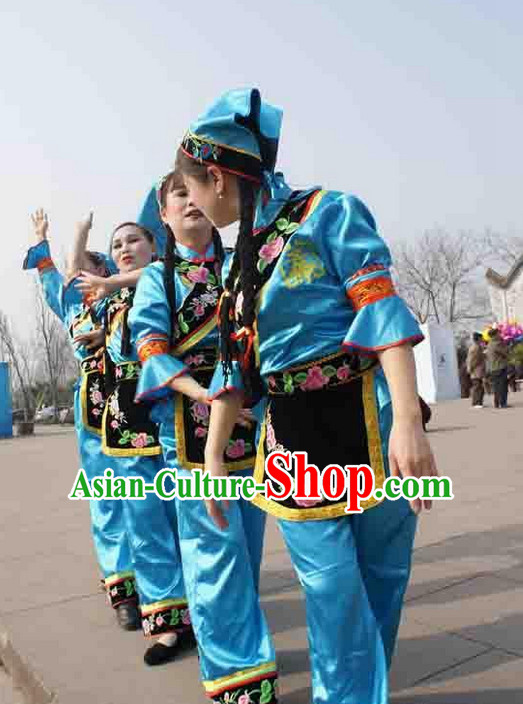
<point x="416" y="106"/>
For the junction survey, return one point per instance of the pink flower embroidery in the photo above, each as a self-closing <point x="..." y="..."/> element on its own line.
<point x="271" y="381"/>
<point x="200" y="411"/>
<point x="199" y="310"/>
<point x="198" y="276"/>
<point x="160" y="620"/>
<point x="200" y="432"/>
<point x="236" y="449"/>
<point x="114" y="424"/>
<point x="118" y="372"/>
<point x="186" y="617"/>
<point x="270" y="437"/>
<point x="96" y="412"/>
<point x="343" y="372"/>
<point x="315" y="379"/>
<point x="244" y="699"/>
<point x="140" y="440"/>
<point x="97" y="397"/>
<point x="270" y="251"/>
<point x="194" y="360"/>
<point x="307" y="503"/>
<point x="92" y="365"/>
<point x="146" y="626"/>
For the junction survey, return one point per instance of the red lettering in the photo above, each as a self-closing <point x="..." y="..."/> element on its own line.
<point x="279" y="475"/>
<point x="333" y="481"/>
<point x="304" y="470"/>
<point x="360" y="483"/>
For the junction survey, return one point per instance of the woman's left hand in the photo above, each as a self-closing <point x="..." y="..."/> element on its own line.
<point x="410" y="455"/>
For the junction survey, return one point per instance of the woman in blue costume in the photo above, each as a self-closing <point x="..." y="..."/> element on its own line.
<point x="74" y="310"/>
<point x="173" y="321"/>
<point x="311" y="313"/>
<point x="130" y="440"/>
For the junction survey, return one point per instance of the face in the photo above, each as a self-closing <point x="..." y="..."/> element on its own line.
<point x="217" y="197"/>
<point x="131" y="249"/>
<point x="182" y="214"/>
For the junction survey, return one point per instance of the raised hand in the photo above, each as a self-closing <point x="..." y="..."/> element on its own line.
<point x="83" y="226"/>
<point x="96" y="286"/>
<point x="40" y="224"/>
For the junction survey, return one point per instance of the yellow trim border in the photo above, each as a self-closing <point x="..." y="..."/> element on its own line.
<point x="238" y="677"/>
<point x="148" y="609"/>
<point x="118" y="577"/>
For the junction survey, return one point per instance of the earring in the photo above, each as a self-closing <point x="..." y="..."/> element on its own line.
<point x="220" y="195"/>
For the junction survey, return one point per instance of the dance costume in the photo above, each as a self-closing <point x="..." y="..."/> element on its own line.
<point x="326" y="305"/>
<point x="130" y="440"/>
<point x="107" y="524"/>
<point x="221" y="568"/>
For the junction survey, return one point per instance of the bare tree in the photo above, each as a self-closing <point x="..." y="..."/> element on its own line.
<point x="439" y="276"/>
<point x="18" y="355"/>
<point x="502" y="249"/>
<point x="55" y="355"/>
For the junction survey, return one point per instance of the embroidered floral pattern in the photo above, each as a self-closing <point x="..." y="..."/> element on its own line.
<point x="96" y="397"/>
<point x="169" y="619"/>
<point x="200" y="149"/>
<point x="275" y="242"/>
<point x="331" y="371"/>
<point x="301" y="263"/>
<point x="117" y="419"/>
<point x="122" y="591"/>
<point x="262" y="692"/>
<point x="203" y="299"/>
<point x="192" y="417"/>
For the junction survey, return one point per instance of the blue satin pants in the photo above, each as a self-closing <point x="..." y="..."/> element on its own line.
<point x="107" y="522"/>
<point x="354" y="572"/>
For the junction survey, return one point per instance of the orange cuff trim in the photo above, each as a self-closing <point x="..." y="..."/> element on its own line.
<point x="370" y="291"/>
<point x="45" y="263"/>
<point x="368" y="270"/>
<point x="150" y="349"/>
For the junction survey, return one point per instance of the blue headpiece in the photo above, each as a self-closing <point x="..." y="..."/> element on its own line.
<point x="149" y="218"/>
<point x="239" y="133"/>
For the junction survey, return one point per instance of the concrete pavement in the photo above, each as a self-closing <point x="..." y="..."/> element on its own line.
<point x="461" y="640"/>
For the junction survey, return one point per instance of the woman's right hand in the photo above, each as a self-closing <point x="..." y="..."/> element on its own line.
<point x="83" y="226"/>
<point x="98" y="287"/>
<point x="40" y="224"/>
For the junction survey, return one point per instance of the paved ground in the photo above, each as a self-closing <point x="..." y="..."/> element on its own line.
<point x="462" y="634"/>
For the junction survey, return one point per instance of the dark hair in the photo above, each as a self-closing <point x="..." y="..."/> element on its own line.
<point x="98" y="260"/>
<point x="243" y="269"/>
<point x="493" y="332"/>
<point x="145" y="232"/>
<point x="174" y="180"/>
<point x="477" y="336"/>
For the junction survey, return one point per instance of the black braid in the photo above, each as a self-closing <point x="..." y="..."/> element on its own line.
<point x="244" y="263"/>
<point x="219" y="252"/>
<point x="126" y="346"/>
<point x="168" y="281"/>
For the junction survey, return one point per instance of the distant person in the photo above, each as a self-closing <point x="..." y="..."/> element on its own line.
<point x="497" y="364"/>
<point x="476" y="368"/>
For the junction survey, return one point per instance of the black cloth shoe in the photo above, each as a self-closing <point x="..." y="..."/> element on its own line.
<point x="128" y="617"/>
<point x="159" y="653"/>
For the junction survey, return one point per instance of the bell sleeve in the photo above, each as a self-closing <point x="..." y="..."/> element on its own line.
<point x="150" y="324"/>
<point x="354" y="252"/>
